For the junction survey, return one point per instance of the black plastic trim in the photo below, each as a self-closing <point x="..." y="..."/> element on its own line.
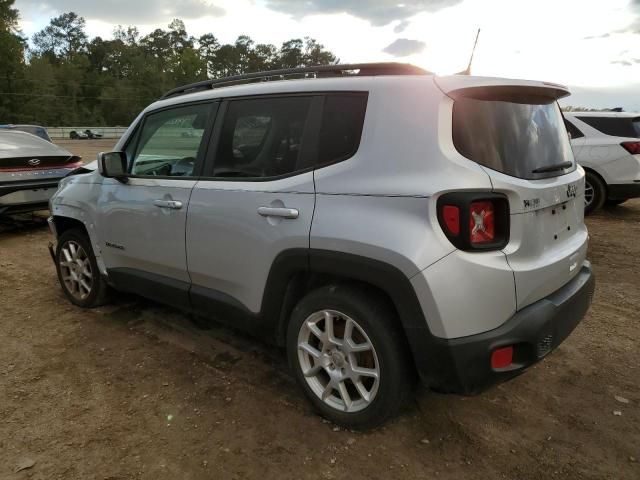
<point x="17" y="186"/>
<point x="460" y="365"/>
<point x="365" y="69"/>
<point x="463" y="365"/>
<point x="150" y="285"/>
<point x="623" y="191"/>
<point x="22" y="208"/>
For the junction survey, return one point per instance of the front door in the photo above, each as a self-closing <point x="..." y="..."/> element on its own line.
<point x="143" y="220"/>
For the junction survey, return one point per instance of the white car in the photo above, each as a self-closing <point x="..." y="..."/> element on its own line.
<point x="607" y="145"/>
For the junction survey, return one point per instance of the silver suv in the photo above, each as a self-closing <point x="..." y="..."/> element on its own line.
<point x="380" y="222"/>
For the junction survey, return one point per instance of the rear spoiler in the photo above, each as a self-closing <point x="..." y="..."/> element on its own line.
<point x="487" y="87"/>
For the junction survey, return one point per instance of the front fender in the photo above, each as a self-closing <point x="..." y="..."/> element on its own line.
<point x="75" y="200"/>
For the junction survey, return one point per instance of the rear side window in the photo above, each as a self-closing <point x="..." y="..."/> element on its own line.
<point x="573" y="130"/>
<point x="341" y="128"/>
<point x="615" y="126"/>
<point x="520" y="135"/>
<point x="262" y="137"/>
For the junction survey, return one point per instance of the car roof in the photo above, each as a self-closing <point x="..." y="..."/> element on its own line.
<point x="354" y="83"/>
<point x="18" y="125"/>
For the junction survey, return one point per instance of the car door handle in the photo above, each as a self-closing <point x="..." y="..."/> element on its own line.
<point x="279" y="212"/>
<point x="175" y="204"/>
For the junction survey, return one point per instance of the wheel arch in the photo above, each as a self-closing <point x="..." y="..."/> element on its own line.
<point x="297" y="272"/>
<point x="63" y="224"/>
<point x="66" y="219"/>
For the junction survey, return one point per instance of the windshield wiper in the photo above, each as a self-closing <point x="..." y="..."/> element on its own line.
<point x="553" y="168"/>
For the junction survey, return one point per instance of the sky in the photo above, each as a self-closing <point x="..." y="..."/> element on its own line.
<point x="591" y="45"/>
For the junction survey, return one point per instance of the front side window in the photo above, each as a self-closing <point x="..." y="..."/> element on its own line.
<point x="262" y="137"/>
<point x="170" y="141"/>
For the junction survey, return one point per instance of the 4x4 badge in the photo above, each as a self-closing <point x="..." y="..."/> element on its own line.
<point x="571" y="190"/>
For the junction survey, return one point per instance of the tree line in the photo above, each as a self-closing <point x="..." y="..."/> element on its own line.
<point x="64" y="78"/>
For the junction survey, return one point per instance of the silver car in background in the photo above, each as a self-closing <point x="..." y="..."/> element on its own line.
<point x="36" y="130"/>
<point x="30" y="169"/>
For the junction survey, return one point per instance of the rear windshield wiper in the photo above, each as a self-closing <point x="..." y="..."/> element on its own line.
<point x="553" y="168"/>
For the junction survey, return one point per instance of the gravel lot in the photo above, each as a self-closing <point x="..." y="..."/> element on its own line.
<point x="134" y="390"/>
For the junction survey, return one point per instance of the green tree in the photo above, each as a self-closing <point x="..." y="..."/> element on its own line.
<point x="291" y="54"/>
<point x="70" y="79"/>
<point x="12" y="47"/>
<point x="8" y="16"/>
<point x="63" y="38"/>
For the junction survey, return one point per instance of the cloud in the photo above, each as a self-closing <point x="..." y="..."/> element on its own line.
<point x="403" y="47"/>
<point x="627" y="62"/>
<point x="634" y="26"/>
<point x="401" y="26"/>
<point x="128" y="12"/>
<point x="591" y="37"/>
<point x="378" y="12"/>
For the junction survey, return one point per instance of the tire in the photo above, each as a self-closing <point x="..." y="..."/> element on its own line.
<point x="73" y="135"/>
<point x="614" y="203"/>
<point x="595" y="193"/>
<point x="387" y="353"/>
<point x="77" y="268"/>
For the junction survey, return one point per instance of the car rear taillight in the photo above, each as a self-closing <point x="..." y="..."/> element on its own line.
<point x="475" y="221"/>
<point x="481" y="222"/>
<point x="632" y="147"/>
<point x="451" y="216"/>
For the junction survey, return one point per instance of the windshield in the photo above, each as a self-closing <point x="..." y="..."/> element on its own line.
<point x="523" y="136"/>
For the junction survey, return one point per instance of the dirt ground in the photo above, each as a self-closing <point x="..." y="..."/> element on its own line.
<point x="87" y="149"/>
<point x="134" y="390"/>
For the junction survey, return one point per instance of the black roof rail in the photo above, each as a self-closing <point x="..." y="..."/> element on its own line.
<point x="364" y="69"/>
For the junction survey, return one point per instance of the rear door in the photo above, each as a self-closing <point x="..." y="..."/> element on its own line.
<point x="517" y="135"/>
<point x="257" y="200"/>
<point x="143" y="220"/>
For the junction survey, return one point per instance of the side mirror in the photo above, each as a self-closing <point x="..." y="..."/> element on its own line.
<point x="113" y="165"/>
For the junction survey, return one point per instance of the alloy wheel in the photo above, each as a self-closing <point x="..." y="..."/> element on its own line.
<point x="338" y="361"/>
<point x="589" y="193"/>
<point x="75" y="270"/>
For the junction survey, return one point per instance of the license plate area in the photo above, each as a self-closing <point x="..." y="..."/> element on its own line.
<point x="559" y="217"/>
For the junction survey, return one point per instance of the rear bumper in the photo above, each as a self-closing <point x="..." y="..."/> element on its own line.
<point x="463" y="365"/>
<point x="24" y="196"/>
<point x="622" y="191"/>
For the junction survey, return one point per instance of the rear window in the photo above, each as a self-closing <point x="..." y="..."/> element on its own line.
<point x="519" y="135"/>
<point x="615" y="126"/>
